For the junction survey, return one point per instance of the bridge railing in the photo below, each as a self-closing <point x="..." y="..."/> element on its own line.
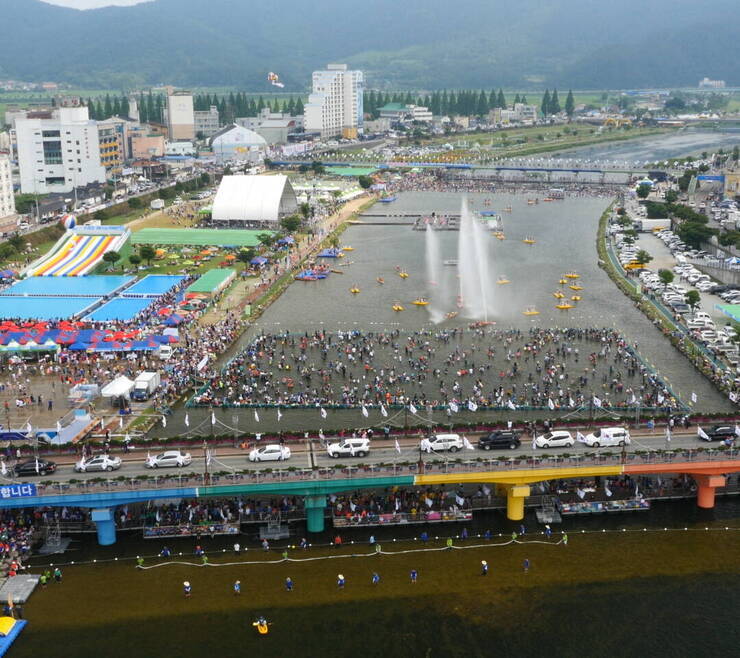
<point x="460" y="465"/>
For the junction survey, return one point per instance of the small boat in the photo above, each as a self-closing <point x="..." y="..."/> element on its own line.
<point x="380" y="280"/>
<point x="558" y="295"/>
<point x="348" y="248"/>
<point x="531" y="310"/>
<point x="354" y="290"/>
<point x="562" y="282"/>
<point x="576" y="287"/>
<point x="528" y="240"/>
<point x="502" y="280"/>
<point x="387" y="199"/>
<point x="564" y="305"/>
<point x="531" y="202"/>
<point x="576" y="298"/>
<point x="337" y="271"/>
<point x="403" y="274"/>
<point x="499" y="235"/>
<point x="507" y="209"/>
<point x="262" y="626"/>
<point x="451" y="315"/>
<point x="452" y="262"/>
<point x="420" y="301"/>
<point x="397" y="307"/>
<point x="572" y="275"/>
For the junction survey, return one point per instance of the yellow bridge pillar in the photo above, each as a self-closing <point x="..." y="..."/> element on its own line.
<point x="515" y="496"/>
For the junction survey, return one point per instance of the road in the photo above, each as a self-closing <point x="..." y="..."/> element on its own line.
<point x="311" y="453"/>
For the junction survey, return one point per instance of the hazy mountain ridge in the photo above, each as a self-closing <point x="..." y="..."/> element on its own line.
<point x="418" y="44"/>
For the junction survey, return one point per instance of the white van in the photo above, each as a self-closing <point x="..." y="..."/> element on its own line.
<point x="608" y="436"/>
<point x="165" y="352"/>
<point x="349" y="448"/>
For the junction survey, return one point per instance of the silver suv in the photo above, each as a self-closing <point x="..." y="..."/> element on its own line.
<point x="349" y="448"/>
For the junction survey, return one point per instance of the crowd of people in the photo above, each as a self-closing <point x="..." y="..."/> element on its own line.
<point x="454" y="368"/>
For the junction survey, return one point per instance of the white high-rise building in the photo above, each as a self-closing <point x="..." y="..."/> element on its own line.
<point x="60" y="153"/>
<point x="335" y="106"/>
<point x="180" y="117"/>
<point x="7" y="200"/>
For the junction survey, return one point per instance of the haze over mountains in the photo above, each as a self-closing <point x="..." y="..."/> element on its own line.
<point x="411" y="44"/>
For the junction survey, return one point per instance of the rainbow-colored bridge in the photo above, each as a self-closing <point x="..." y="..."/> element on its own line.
<point x="510" y="476"/>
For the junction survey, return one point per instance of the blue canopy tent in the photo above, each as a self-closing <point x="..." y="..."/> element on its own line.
<point x="258" y="260"/>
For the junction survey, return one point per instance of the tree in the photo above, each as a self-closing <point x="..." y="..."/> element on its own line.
<point x="148" y="253"/>
<point x="692" y="299"/>
<point x="643" y="257"/>
<point x="695" y="233"/>
<point x="570" y="104"/>
<point x="134" y="259"/>
<point x="135" y="202"/>
<point x="365" y="182"/>
<point x="305" y="210"/>
<point x="291" y="223"/>
<point x="111" y="257"/>
<point x="266" y="239"/>
<point x="554" y="102"/>
<point x="501" y="100"/>
<point x="246" y="255"/>
<point x="545" y="107"/>
<point x="100" y="215"/>
<point x="671" y="196"/>
<point x="666" y="277"/>
<point x="643" y="190"/>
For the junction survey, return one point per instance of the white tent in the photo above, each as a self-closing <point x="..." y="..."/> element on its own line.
<point x="120" y="386"/>
<point x="254" y="199"/>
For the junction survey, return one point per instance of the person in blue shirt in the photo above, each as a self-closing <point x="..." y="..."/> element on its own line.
<point x="414" y="575"/>
<point x="376" y="578"/>
<point x="483" y="568"/>
<point x="165" y="552"/>
<point x="487" y="534"/>
<point x="288" y="584"/>
<point x="424" y="537"/>
<point x="187" y="589"/>
<point x="340" y="581"/>
<point x="526" y="565"/>
<point x="237" y="588"/>
<point x="522" y="530"/>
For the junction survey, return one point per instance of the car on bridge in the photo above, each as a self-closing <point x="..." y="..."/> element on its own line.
<point x="500" y="439"/>
<point x="349" y="448"/>
<point x="98" y="463"/>
<point x="35" y="467"/>
<point x="442" y="442"/>
<point x="270" y="452"/>
<point x="555" y="439"/>
<point x="717" y="433"/>
<point x="169" y="458"/>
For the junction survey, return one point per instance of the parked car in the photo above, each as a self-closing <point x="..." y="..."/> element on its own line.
<point x="270" y="452"/>
<point x="98" y="463"/>
<point x="442" y="442"/>
<point x="35" y="467"/>
<point x="608" y="436"/>
<point x="169" y="458"/>
<point x="349" y="448"/>
<point x="500" y="439"/>
<point x="555" y="439"/>
<point x="718" y="433"/>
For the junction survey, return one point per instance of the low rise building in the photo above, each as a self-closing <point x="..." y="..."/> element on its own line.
<point x="144" y="145"/>
<point x="7" y="198"/>
<point x="706" y="83"/>
<point x="403" y="112"/>
<point x="111" y="146"/>
<point x="237" y="143"/>
<point x="207" y="122"/>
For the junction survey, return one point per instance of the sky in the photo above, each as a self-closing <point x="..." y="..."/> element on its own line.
<point x="92" y="4"/>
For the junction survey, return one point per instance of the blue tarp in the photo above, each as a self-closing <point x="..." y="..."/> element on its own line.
<point x="79" y="346"/>
<point x="173" y="321"/>
<point x="330" y="253"/>
<point x="258" y="260"/>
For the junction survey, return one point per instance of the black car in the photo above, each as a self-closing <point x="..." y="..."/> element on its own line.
<point x="500" y="439"/>
<point x="29" y="468"/>
<point x="719" y="433"/>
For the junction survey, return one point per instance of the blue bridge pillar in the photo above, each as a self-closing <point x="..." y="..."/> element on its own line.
<point x="315" y="506"/>
<point x="106" y="526"/>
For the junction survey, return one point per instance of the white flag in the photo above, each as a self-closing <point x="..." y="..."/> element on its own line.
<point x="187" y="420"/>
<point x="467" y="444"/>
<point x="213" y="418"/>
<point x="412" y="409"/>
<point x="550" y="403"/>
<point x="637" y="490"/>
<point x="164" y="421"/>
<point x="472" y="406"/>
<point x="364" y="411"/>
<point x="694" y="399"/>
<point x="571" y="402"/>
<point x="668" y="433"/>
<point x="256" y="417"/>
<point x="38" y="468"/>
<point x="383" y="411"/>
<point x="3" y="468"/>
<point x="398" y="447"/>
<point x="511" y="404"/>
<point x="59" y="427"/>
<point x="581" y="493"/>
<point x="209" y="457"/>
<point x="737" y="430"/>
<point x="633" y="399"/>
<point x="661" y="398"/>
<point x="29" y="429"/>
<point x="279" y="414"/>
<point x="120" y="421"/>
<point x="607" y="490"/>
<point x="702" y="434"/>
<point x="322" y="411"/>
<point x="597" y="402"/>
<point x="580" y="438"/>
<point x="454" y="408"/>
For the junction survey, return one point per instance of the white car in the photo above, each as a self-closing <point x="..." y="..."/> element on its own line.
<point x="349" y="448"/>
<point x="270" y="452"/>
<point x="442" y="442"/>
<point x="169" y="458"/>
<point x="608" y="436"/>
<point x="99" y="463"/>
<point x="555" y="439"/>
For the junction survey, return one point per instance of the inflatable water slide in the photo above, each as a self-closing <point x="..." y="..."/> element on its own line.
<point x="79" y="250"/>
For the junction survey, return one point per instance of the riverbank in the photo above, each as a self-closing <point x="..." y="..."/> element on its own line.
<point x="565" y="601"/>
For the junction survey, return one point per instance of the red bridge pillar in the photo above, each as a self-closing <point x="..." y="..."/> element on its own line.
<point x="706" y="486"/>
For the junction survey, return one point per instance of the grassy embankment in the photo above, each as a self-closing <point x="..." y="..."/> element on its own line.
<point x="655" y="593"/>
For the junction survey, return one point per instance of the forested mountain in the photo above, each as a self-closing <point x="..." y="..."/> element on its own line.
<point x="411" y="44"/>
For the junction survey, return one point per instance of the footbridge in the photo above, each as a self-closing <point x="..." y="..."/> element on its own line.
<point x="512" y="476"/>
